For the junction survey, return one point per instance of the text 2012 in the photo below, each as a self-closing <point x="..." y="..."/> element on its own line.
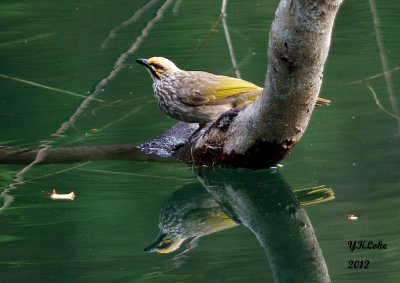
<point x="358" y="264"/>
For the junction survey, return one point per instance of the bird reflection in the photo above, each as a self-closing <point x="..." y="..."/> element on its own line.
<point x="191" y="212"/>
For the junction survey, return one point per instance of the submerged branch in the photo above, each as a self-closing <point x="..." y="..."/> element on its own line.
<point x="10" y="155"/>
<point x="161" y="149"/>
<point x="373" y="77"/>
<point x="45" y="87"/>
<point x="135" y="17"/>
<point x="385" y="64"/>
<point x="378" y="103"/>
<point x="228" y="39"/>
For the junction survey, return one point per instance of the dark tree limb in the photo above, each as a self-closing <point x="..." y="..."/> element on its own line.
<point x="10" y="155"/>
<point x="161" y="149"/>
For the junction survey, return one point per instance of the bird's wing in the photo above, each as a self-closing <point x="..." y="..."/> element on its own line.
<point x="209" y="89"/>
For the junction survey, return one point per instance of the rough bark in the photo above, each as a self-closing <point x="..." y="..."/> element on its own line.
<point x="264" y="132"/>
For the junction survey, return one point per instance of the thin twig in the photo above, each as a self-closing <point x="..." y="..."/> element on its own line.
<point x="378" y="103"/>
<point x="203" y="40"/>
<point x="134" y="174"/>
<point x="385" y="64"/>
<point x="56" y="172"/>
<point x="27" y="40"/>
<point x="175" y="9"/>
<point x="112" y="123"/>
<point x="372" y="77"/>
<point x="228" y="39"/>
<point x="135" y="17"/>
<point x="45" y="87"/>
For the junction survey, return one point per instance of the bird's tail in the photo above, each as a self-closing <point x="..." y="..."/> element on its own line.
<point x="322" y="102"/>
<point x="314" y="195"/>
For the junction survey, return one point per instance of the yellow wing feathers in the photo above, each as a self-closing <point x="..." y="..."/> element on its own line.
<point x="217" y="90"/>
<point x="232" y="86"/>
<point x="201" y="88"/>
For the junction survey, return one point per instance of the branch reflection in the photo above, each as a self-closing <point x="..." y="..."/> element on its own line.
<point x="260" y="200"/>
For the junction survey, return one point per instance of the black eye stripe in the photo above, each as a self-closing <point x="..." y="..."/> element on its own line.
<point x="157" y="66"/>
<point x="165" y="245"/>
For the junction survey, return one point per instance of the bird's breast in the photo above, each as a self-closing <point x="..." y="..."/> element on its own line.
<point x="167" y="98"/>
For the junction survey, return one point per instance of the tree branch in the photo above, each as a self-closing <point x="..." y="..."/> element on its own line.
<point x="10" y="155"/>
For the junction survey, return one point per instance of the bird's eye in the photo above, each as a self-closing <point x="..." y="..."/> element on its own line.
<point x="158" y="66"/>
<point x="166" y="243"/>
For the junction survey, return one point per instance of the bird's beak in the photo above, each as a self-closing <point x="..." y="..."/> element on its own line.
<point x="143" y="62"/>
<point x="152" y="248"/>
<point x="164" y="245"/>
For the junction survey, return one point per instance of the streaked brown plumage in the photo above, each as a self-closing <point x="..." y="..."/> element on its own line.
<point x="196" y="96"/>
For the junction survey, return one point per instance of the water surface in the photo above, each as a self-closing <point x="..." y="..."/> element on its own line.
<point x="350" y="146"/>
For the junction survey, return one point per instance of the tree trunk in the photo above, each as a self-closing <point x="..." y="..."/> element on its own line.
<point x="262" y="134"/>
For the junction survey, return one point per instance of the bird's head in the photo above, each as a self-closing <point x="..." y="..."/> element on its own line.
<point x="158" y="67"/>
<point x="164" y="244"/>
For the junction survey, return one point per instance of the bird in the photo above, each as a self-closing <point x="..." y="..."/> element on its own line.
<point x="197" y="96"/>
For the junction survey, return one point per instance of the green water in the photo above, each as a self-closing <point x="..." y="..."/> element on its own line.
<point x="350" y="146"/>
